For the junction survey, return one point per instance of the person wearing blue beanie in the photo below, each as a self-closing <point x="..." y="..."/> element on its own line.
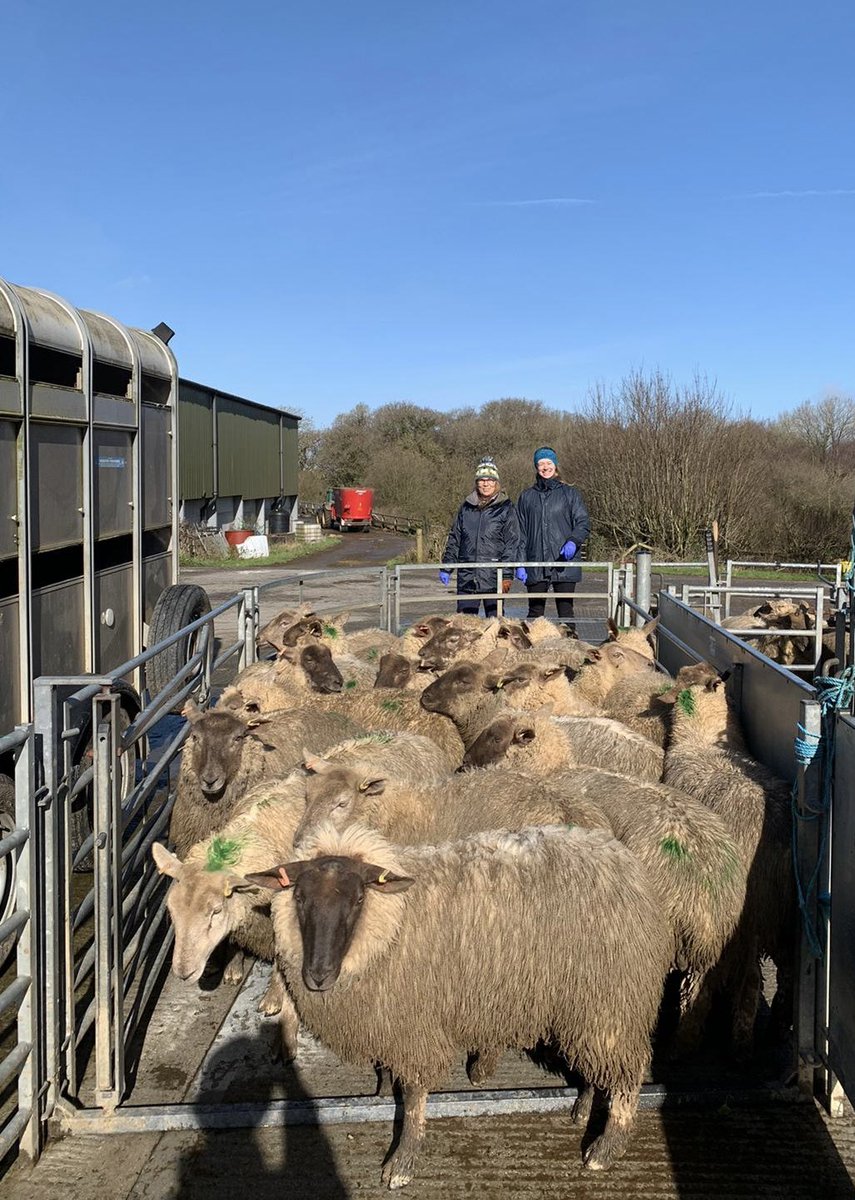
<point x="555" y="524"/>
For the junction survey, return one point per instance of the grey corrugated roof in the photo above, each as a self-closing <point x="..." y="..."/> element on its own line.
<point x="206" y="387"/>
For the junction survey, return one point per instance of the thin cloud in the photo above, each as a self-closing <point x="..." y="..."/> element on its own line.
<point x="808" y="193"/>
<point x="549" y="202"/>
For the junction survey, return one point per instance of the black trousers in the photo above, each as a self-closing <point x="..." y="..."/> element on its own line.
<point x="563" y="598"/>
<point x="472" y="602"/>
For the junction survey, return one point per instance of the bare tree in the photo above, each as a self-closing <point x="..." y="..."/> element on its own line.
<point x="825" y="426"/>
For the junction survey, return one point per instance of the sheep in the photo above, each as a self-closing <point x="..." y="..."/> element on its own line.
<point x="639" y="638"/>
<point x="410" y="812"/>
<point x="226" y="754"/>
<point x="707" y="759"/>
<point x="375" y="711"/>
<point x="402" y="673"/>
<point x="407" y="758"/>
<point x="547" y="745"/>
<point x="690" y="855"/>
<point x="281" y="682"/>
<point x="532" y="683"/>
<point x="209" y="902"/>
<point x="606" y="666"/>
<point x="467" y="695"/>
<point x="413" y="955"/>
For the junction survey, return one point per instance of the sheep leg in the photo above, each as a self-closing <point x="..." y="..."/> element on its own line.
<point x="613" y="1141"/>
<point x="385" y="1081"/>
<point x="696" y="997"/>
<point x="233" y="972"/>
<point x="582" y="1105"/>
<point x="272" y="1000"/>
<point x="400" y="1168"/>
<point x="289" y="1026"/>
<point x="482" y="1065"/>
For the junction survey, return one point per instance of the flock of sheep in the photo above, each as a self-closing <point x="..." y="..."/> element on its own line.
<point x="481" y="836"/>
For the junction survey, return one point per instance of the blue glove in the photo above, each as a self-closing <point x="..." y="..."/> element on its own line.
<point x="568" y="550"/>
<point x="520" y="574"/>
<point x="445" y="578"/>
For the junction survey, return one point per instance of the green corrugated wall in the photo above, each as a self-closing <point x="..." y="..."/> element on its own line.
<point x="257" y="447"/>
<point x="195" y="441"/>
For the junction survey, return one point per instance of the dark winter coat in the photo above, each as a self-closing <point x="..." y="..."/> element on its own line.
<point x="483" y="533"/>
<point x="552" y="513"/>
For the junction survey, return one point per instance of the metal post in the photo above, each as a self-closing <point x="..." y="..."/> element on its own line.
<point x="500" y="603"/>
<point x="397" y="626"/>
<point x="643" y="560"/>
<point x="384" y="593"/>
<point x="629" y="590"/>
<point x="247" y="631"/>
<point x="611" y="591"/>
<point x="109" y="982"/>
<point x="728" y="581"/>
<point x="809" y="784"/>
<point x="45" y="727"/>
<point x="29" y="963"/>
<point x="820" y="626"/>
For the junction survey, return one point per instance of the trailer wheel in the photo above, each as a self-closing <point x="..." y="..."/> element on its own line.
<point x="8" y="865"/>
<point x="176" y="607"/>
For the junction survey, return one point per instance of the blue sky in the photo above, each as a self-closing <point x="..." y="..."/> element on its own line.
<point x="443" y="202"/>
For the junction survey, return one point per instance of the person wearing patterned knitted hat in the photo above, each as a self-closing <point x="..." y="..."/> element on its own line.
<point x="554" y="522"/>
<point x="485" y="529"/>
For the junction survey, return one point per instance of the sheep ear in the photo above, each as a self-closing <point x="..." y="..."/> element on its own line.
<point x="613" y="629"/>
<point x="495" y="659"/>
<point x="253" y="717"/>
<point x="650" y="627"/>
<point x="314" y="763"/>
<point x="669" y="696"/>
<point x="594" y="655"/>
<point x="524" y="735"/>
<point x="287" y="654"/>
<point x="166" y="862"/>
<point x="238" y="883"/>
<point x="384" y="881"/>
<point x="277" y="879"/>
<point x="373" y="787"/>
<point x="192" y="711"/>
<point x="551" y="672"/>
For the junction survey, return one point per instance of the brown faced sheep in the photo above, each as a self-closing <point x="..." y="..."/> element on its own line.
<point x="225" y="755"/>
<point x="530" y="684"/>
<point x="467" y="695"/>
<point x="545" y="745"/>
<point x="283" y="682"/>
<point x="640" y="638"/>
<point x="412" y="955"/>
<point x="401" y="673"/>
<point x="706" y="758"/>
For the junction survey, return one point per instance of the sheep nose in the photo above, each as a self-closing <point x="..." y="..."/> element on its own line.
<point x="320" y="981"/>
<point x="331" y="685"/>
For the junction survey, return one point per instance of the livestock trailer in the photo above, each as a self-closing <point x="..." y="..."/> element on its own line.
<point x="347" y="508"/>
<point x="88" y="514"/>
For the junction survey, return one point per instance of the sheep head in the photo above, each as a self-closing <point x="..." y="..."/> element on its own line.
<point x="315" y="660"/>
<point x="395" y="671"/>
<point x="215" y="746"/>
<point x="447" y="644"/>
<point x="494" y="742"/>
<point x="328" y="896"/>
<point x="201" y="904"/>
<point x="334" y="792"/>
<point x="460" y="687"/>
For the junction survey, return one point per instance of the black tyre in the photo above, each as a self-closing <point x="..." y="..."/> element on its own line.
<point x="8" y="873"/>
<point x="176" y="607"/>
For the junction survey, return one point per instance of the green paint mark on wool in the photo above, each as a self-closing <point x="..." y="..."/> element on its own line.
<point x="686" y="701"/>
<point x="726" y="875"/>
<point x="666" y="687"/>
<point x="391" y="705"/>
<point x="223" y="853"/>
<point x="674" y="849"/>
<point x="372" y="653"/>
<point x="330" y="631"/>
<point x="351" y="683"/>
<point x="382" y="738"/>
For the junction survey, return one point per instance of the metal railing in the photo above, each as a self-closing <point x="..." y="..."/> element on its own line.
<point x="22" y="1077"/>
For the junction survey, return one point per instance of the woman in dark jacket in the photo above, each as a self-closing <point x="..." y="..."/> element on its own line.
<point x="485" y="529"/>
<point x="554" y="522"/>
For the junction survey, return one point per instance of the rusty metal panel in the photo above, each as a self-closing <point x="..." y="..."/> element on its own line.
<point x="58" y="641"/>
<point x="113" y="482"/>
<point x="196" y="442"/>
<point x="8" y="489"/>
<point x="248" y="449"/>
<point x="290" y="455"/>
<point x="156" y="466"/>
<point x="56" y="485"/>
<point x="113" y="617"/>
<point x="10" y="657"/>
<point x="841" y="1024"/>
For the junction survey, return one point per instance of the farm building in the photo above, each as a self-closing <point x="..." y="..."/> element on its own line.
<point x="237" y="460"/>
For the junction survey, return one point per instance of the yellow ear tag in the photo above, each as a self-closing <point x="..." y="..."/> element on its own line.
<point x="501" y="683"/>
<point x="381" y="878"/>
